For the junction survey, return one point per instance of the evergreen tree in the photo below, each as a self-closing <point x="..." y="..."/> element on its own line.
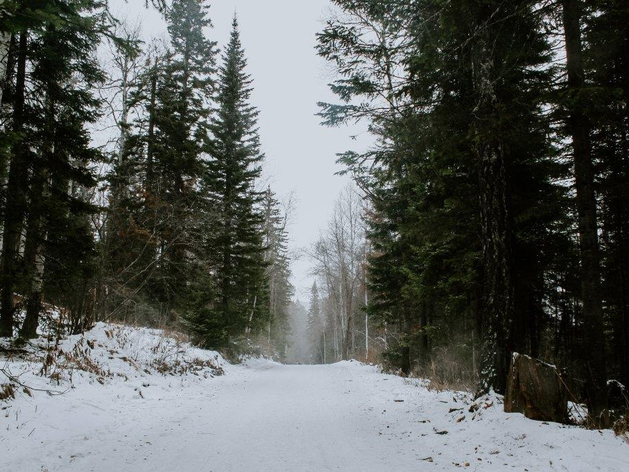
<point x="315" y="326"/>
<point x="277" y="273"/>
<point x="52" y="159"/>
<point x="578" y="128"/>
<point x="15" y="201"/>
<point x="179" y="125"/>
<point x="606" y="64"/>
<point x="7" y="9"/>
<point x="234" y="246"/>
<point x="466" y="217"/>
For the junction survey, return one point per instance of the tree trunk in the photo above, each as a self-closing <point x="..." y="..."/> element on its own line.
<point x="151" y="132"/>
<point x="16" y="199"/>
<point x="495" y="225"/>
<point x="406" y="347"/>
<point x="537" y="390"/>
<point x="423" y="336"/>
<point x="593" y="348"/>
<point x="5" y="42"/>
<point x="34" y="258"/>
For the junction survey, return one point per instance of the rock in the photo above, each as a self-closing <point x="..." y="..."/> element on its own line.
<point x="537" y="390"/>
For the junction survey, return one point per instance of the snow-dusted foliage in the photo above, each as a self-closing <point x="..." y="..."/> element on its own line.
<point x="109" y="355"/>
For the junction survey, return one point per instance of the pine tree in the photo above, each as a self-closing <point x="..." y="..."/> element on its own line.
<point x="315" y="326"/>
<point x="180" y="110"/>
<point x="465" y="216"/>
<point x="6" y="37"/>
<point x="15" y="202"/>
<point x="606" y="54"/>
<point x="234" y="246"/>
<point x="50" y="161"/>
<point x="579" y="128"/>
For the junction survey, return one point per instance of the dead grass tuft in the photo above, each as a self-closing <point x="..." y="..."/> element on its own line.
<point x="7" y="392"/>
<point x="621" y="426"/>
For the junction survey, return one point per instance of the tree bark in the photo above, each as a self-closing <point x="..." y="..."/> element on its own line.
<point x="579" y="128"/>
<point x="5" y="42"/>
<point x="495" y="225"/>
<point x="34" y="258"/>
<point x="406" y="366"/>
<point x="151" y="131"/>
<point x="16" y="201"/>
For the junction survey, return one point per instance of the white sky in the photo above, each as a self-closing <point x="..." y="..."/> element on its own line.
<point x="289" y="80"/>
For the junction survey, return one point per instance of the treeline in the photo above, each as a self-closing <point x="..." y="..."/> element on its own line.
<point x="165" y="224"/>
<point x="499" y="185"/>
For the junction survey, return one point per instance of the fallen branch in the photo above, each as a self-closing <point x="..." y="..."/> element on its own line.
<point x="17" y="381"/>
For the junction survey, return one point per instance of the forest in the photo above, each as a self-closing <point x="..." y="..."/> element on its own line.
<point x="496" y="209"/>
<point x="489" y="217"/>
<point x="166" y="223"/>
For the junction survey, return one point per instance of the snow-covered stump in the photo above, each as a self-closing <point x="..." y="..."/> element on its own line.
<point x="536" y="389"/>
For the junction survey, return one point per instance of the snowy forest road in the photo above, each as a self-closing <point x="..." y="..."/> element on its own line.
<point x="265" y="417"/>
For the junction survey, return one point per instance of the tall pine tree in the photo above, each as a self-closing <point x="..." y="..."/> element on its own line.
<point x="234" y="246"/>
<point x="180" y="111"/>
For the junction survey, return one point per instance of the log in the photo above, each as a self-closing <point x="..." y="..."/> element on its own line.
<point x="537" y="390"/>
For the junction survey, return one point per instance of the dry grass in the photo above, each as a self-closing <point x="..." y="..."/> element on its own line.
<point x="7" y="392"/>
<point x="195" y="366"/>
<point x="621" y="427"/>
<point x="57" y="362"/>
<point x="447" y="370"/>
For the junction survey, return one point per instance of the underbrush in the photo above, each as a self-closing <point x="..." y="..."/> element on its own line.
<point x="447" y="371"/>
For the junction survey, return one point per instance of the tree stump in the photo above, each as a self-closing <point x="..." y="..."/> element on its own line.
<point x="536" y="389"/>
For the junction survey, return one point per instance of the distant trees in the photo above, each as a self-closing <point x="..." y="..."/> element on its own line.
<point x="279" y="290"/>
<point x="177" y="231"/>
<point x="316" y="328"/>
<point x="486" y="123"/>
<point x="336" y="323"/>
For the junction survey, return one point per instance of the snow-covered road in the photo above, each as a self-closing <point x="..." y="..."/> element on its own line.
<point x="265" y="417"/>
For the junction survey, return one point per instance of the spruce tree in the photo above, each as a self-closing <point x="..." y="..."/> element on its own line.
<point x="179" y="125"/>
<point x="606" y="60"/>
<point x="315" y="326"/>
<point x="465" y="216"/>
<point x="579" y="128"/>
<point x="234" y="245"/>
<point x="52" y="160"/>
<point x="15" y="202"/>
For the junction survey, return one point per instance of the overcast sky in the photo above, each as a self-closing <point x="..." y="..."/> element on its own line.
<point x="289" y="80"/>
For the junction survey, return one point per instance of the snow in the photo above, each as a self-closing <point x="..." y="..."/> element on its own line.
<point x="577" y="413"/>
<point x="155" y="404"/>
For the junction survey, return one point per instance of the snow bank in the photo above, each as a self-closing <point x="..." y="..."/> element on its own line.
<point x="107" y="355"/>
<point x="448" y="430"/>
